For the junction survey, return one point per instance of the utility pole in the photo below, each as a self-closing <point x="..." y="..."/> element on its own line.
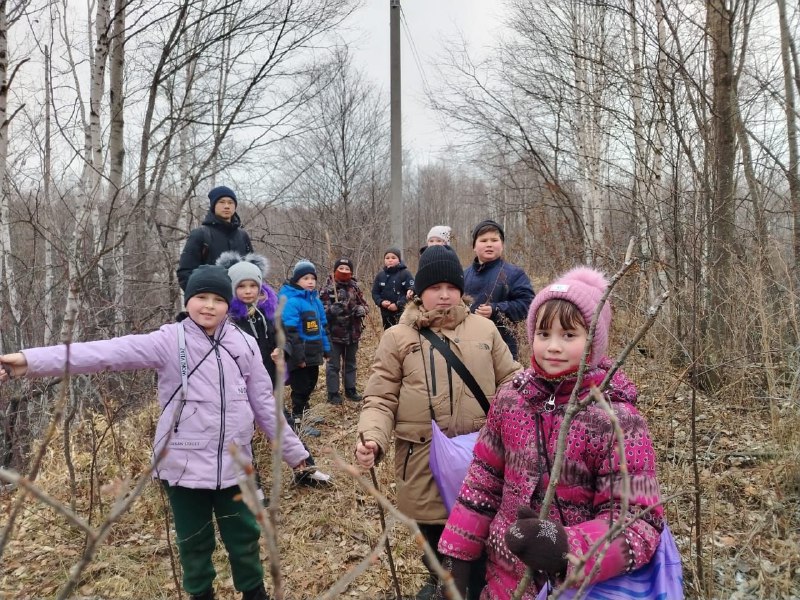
<point x="396" y="138"/>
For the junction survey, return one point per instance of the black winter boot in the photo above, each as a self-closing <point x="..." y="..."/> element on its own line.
<point x="257" y="593"/>
<point x="207" y="595"/>
<point x="353" y="395"/>
<point x="334" y="398"/>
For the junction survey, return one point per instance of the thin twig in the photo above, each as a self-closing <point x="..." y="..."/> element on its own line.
<point x="382" y="518"/>
<point x="433" y="560"/>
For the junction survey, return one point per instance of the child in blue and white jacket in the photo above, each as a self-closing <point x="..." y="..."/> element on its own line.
<point x="307" y="343"/>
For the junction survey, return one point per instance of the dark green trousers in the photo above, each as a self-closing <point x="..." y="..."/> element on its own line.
<point x="192" y="511"/>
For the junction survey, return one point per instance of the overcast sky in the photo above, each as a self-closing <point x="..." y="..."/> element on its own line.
<point x="430" y="24"/>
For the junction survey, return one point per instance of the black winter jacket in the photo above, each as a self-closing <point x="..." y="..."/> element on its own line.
<point x="263" y="330"/>
<point x="392" y="283"/>
<point x="205" y="244"/>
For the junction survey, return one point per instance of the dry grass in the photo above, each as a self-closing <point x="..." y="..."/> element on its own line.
<point x="749" y="476"/>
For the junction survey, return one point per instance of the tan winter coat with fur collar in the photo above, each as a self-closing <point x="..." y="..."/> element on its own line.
<point x="408" y="377"/>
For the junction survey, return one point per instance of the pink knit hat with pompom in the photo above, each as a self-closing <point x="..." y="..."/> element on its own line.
<point x="583" y="287"/>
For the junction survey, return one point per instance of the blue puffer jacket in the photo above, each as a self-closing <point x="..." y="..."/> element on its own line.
<point x="227" y="388"/>
<point x="506" y="287"/>
<point x="304" y="321"/>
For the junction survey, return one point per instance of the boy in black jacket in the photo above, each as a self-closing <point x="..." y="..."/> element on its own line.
<point x="391" y="286"/>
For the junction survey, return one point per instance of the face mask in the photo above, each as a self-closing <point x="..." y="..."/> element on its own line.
<point x="342" y="277"/>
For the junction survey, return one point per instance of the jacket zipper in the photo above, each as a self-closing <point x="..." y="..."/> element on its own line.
<point x="408" y="456"/>
<point x="221" y="415"/>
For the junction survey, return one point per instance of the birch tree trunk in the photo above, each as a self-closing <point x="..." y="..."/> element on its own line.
<point x="49" y="277"/>
<point x="116" y="151"/>
<point x="90" y="180"/>
<point x="7" y="271"/>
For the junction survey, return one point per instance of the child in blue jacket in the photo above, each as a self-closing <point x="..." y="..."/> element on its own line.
<point x="307" y="343"/>
<point x="500" y="291"/>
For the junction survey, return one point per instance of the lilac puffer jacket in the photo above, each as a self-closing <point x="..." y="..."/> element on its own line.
<point x="228" y="387"/>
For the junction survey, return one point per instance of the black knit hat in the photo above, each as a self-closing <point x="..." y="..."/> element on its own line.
<point x="487" y="224"/>
<point x="209" y="278"/>
<point x="438" y="264"/>
<point x="221" y="191"/>
<point x="344" y="261"/>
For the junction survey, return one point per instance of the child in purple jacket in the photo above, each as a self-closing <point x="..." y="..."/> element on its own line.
<point x="212" y="386"/>
<point x="498" y="507"/>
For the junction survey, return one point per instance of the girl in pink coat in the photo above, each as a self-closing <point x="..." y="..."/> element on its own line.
<point x="212" y="386"/>
<point x="498" y="506"/>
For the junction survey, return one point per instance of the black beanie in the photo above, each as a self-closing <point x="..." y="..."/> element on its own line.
<point x="209" y="278"/>
<point x="438" y="264"/>
<point x="221" y="191"/>
<point x="487" y="223"/>
<point x="343" y="261"/>
<point x="395" y="251"/>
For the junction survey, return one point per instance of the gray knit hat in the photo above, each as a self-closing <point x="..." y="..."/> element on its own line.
<point x="240" y="268"/>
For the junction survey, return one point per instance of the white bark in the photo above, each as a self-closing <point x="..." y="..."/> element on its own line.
<point x="5" y="225"/>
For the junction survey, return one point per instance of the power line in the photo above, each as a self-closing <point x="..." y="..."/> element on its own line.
<point x="425" y="85"/>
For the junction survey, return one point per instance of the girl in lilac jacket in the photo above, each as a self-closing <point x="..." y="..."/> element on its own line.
<point x="500" y="499"/>
<point x="226" y="388"/>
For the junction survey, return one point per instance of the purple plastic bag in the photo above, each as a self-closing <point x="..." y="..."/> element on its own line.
<point x="450" y="458"/>
<point x="660" y="579"/>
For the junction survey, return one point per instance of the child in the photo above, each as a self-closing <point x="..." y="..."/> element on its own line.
<point x="253" y="311"/>
<point x="223" y="376"/>
<point x="345" y="308"/>
<point x="391" y="285"/>
<point x="411" y="383"/>
<point x="439" y="235"/>
<point x="307" y="344"/>
<point x="500" y="291"/>
<point x="500" y="499"/>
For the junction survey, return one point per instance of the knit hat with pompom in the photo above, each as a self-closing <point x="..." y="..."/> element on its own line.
<point x="583" y="287"/>
<point x="242" y="268"/>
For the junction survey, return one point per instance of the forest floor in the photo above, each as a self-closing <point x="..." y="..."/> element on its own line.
<point x="748" y="470"/>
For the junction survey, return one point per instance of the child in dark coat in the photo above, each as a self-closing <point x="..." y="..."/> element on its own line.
<point x="500" y="291"/>
<point x="345" y="309"/>
<point x="391" y="286"/>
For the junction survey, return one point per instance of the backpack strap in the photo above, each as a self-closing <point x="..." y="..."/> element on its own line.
<point x="458" y="366"/>
<point x="205" y="248"/>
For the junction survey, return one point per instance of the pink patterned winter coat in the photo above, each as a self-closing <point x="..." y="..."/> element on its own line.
<point x="228" y="387"/>
<point x="508" y="470"/>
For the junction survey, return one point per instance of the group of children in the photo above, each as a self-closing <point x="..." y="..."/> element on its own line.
<point x="217" y="367"/>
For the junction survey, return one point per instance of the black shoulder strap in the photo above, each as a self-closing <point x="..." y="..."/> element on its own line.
<point x="458" y="366"/>
<point x="206" y="247"/>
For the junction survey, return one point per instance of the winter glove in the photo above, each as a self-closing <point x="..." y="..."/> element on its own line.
<point x="360" y="311"/>
<point x="540" y="544"/>
<point x="337" y="309"/>
<point x="459" y="569"/>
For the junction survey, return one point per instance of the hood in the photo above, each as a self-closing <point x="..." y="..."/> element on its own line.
<point x="398" y="267"/>
<point x="291" y="291"/>
<point x="417" y="317"/>
<point x="214" y="221"/>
